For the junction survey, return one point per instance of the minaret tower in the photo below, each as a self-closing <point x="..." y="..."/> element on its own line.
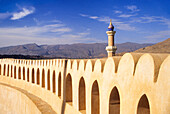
<point x="111" y="48"/>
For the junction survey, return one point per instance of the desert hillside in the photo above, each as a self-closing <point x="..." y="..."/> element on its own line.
<point x="161" y="47"/>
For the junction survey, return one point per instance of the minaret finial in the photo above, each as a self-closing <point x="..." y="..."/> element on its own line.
<point x="111" y="27"/>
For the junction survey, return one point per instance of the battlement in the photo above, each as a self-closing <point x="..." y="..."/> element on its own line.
<point x="134" y="83"/>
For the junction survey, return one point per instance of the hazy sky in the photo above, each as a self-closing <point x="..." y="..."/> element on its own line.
<point x="83" y="21"/>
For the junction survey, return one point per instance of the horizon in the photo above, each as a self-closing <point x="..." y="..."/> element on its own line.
<point x="51" y="22"/>
<point x="72" y="44"/>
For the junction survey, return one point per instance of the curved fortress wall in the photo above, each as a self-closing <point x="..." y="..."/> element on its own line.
<point x="15" y="102"/>
<point x="132" y="84"/>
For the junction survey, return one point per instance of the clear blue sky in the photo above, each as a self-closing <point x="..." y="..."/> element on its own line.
<point x="83" y="21"/>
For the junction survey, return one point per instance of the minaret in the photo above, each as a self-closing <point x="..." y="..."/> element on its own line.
<point x="111" y="48"/>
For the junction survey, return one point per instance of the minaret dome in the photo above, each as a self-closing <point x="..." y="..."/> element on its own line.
<point x="110" y="27"/>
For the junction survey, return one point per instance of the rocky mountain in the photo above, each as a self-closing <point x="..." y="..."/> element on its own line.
<point x="161" y="47"/>
<point x="95" y="50"/>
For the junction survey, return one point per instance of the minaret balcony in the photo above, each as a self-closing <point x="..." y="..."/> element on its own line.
<point x="111" y="48"/>
<point x="110" y="33"/>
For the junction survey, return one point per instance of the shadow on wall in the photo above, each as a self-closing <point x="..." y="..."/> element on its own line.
<point x="143" y="106"/>
<point x="82" y="96"/>
<point x="95" y="100"/>
<point x="114" y="103"/>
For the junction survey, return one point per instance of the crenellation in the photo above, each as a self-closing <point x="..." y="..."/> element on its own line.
<point x="47" y="62"/>
<point x="99" y="65"/>
<point x="51" y="62"/>
<point x="163" y="84"/>
<point x="150" y="61"/>
<point x="59" y="63"/>
<point x="127" y="65"/>
<point x="36" y="62"/>
<point x="132" y="78"/>
<point x="82" y="65"/>
<point x="75" y="65"/>
<point x="158" y="60"/>
<point x="44" y="62"/>
<point x="109" y="67"/>
<point x="29" y="62"/>
<point x="69" y="64"/>
<point x="89" y="66"/>
<point x="54" y="62"/>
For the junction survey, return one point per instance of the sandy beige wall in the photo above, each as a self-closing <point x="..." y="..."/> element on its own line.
<point x="51" y="99"/>
<point x="133" y="75"/>
<point x="15" y="102"/>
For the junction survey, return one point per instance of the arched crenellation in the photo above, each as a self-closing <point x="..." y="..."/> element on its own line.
<point x="143" y="105"/>
<point x="82" y="95"/>
<point x="114" y="102"/>
<point x="69" y="94"/>
<point x="100" y="91"/>
<point x="95" y="99"/>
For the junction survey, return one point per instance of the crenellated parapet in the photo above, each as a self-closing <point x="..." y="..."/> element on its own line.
<point x="129" y="84"/>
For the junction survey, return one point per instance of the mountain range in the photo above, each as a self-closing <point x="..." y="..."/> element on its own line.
<point x="94" y="50"/>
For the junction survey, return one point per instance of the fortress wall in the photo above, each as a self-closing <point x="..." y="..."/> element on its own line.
<point x="162" y="86"/>
<point x="133" y="83"/>
<point x="49" y="98"/>
<point x="15" y="102"/>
